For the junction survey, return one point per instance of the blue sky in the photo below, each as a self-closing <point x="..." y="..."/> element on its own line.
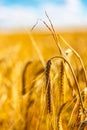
<point x="35" y="2"/>
<point x="29" y="2"/>
<point x="24" y="13"/>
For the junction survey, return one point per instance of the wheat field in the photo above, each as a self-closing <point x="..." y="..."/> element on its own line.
<point x="43" y="81"/>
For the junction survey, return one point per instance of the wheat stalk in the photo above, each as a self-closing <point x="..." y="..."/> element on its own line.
<point x="77" y="55"/>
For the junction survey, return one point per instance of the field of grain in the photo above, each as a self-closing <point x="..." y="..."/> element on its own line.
<point x="43" y="86"/>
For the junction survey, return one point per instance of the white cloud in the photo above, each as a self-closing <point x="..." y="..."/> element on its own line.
<point x="71" y="13"/>
<point x="68" y="14"/>
<point x="17" y="16"/>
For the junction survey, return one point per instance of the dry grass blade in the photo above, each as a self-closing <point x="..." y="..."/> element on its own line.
<point x="51" y="30"/>
<point x="42" y="22"/>
<point x="54" y="34"/>
<point x="37" y="49"/>
<point x="75" y="118"/>
<point x="77" y="55"/>
<point x="50" y="22"/>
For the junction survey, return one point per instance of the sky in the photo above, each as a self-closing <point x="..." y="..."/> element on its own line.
<point x="24" y="13"/>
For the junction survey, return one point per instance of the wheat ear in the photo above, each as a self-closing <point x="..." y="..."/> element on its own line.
<point x="74" y="76"/>
<point x="61" y="83"/>
<point x="48" y="86"/>
<point x="24" y="78"/>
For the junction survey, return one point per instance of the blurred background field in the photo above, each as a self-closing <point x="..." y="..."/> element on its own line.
<point x="44" y="41"/>
<point x="16" y="49"/>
